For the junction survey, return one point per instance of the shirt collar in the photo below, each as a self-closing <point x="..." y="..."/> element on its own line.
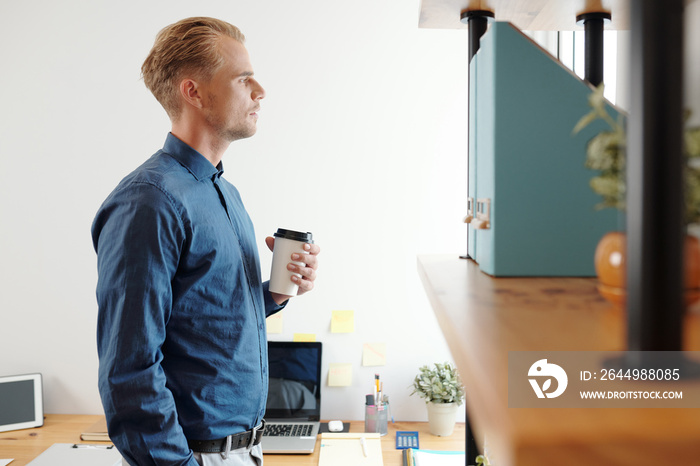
<point x="193" y="161"/>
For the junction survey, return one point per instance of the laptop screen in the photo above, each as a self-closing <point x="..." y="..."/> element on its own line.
<point x="295" y="380"/>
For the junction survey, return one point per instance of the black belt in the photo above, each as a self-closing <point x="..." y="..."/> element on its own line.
<point x="240" y="440"/>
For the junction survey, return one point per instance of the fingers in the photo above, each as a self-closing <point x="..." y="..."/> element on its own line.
<point x="312" y="249"/>
<point x="307" y="271"/>
<point x="270" y="242"/>
<point x="304" y="284"/>
<point x="310" y="258"/>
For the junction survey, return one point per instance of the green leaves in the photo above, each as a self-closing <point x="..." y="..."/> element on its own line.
<point x="597" y="102"/>
<point x="692" y="142"/>
<point x="611" y="189"/>
<point x="439" y="385"/>
<point x="606" y="152"/>
<point x="586" y="120"/>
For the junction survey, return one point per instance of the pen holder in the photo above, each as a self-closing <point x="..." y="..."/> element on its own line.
<point x="376" y="418"/>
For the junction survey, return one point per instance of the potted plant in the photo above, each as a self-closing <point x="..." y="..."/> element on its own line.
<point x="605" y="153"/>
<point x="443" y="393"/>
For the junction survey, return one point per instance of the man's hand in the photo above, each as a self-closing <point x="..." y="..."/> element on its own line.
<point x="308" y="273"/>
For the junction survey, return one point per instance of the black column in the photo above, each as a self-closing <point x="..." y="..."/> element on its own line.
<point x="655" y="224"/>
<point x="478" y="23"/>
<point x="593" y="25"/>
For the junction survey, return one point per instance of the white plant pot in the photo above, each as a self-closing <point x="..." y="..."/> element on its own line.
<point x="441" y="418"/>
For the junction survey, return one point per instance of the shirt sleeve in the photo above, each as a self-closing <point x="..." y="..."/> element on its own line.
<point x="138" y="235"/>
<point x="271" y="307"/>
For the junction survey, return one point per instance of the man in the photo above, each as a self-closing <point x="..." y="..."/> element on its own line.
<point x="182" y="306"/>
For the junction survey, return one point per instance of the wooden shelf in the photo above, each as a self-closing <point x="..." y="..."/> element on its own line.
<point x="483" y="318"/>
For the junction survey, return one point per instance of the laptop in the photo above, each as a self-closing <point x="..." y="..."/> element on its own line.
<point x="293" y="409"/>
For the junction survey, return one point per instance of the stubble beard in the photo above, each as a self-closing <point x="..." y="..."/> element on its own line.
<point x="234" y="133"/>
<point x="227" y="132"/>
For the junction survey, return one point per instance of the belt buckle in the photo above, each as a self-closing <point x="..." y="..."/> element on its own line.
<point x="254" y="433"/>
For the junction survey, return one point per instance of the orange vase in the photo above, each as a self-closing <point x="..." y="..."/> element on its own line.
<point x="610" y="266"/>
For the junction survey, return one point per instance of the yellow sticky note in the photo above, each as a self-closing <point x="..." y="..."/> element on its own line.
<point x="304" y="337"/>
<point x="274" y="323"/>
<point x="339" y="374"/>
<point x="374" y="354"/>
<point x="343" y="322"/>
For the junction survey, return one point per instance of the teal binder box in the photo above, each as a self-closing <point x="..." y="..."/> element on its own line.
<point x="534" y="213"/>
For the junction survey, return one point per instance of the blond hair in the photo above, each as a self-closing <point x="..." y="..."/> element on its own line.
<point x="188" y="46"/>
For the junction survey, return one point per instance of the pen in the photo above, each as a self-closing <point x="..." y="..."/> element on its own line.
<point x="376" y="390"/>
<point x="363" y="442"/>
<point x="83" y="445"/>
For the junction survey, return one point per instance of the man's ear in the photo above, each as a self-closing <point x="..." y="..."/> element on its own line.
<point x="189" y="90"/>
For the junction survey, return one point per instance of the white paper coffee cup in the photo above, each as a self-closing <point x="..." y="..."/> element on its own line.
<point x="287" y="242"/>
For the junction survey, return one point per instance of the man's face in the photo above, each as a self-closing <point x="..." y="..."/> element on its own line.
<point x="232" y="97"/>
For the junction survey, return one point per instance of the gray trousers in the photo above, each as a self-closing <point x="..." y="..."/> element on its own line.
<point x="241" y="457"/>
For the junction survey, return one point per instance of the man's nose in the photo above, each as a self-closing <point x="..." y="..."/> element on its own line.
<point x="258" y="91"/>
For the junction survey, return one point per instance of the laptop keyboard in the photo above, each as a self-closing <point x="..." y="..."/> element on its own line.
<point x="288" y="430"/>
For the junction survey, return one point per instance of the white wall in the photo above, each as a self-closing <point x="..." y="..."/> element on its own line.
<point x="361" y="140"/>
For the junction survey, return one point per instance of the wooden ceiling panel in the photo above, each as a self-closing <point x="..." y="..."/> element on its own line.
<point x="530" y="15"/>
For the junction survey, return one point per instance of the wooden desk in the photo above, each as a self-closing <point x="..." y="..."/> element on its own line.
<point x="392" y="456"/>
<point x="25" y="445"/>
<point x="483" y="318"/>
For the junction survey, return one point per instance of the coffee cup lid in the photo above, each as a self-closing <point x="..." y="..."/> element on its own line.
<point x="304" y="237"/>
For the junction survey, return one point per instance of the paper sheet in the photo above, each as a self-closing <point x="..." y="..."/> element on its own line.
<point x="84" y="455"/>
<point x="6" y="462"/>
<point x="339" y="374"/>
<point x="343" y="322"/>
<point x="438" y="458"/>
<point x="374" y="354"/>
<point x="274" y="323"/>
<point x="346" y="450"/>
<point x="304" y="337"/>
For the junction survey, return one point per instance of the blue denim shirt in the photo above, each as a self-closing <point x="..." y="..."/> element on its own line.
<point x="181" y="333"/>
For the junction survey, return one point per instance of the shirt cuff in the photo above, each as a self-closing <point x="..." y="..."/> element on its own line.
<point x="271" y="306"/>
